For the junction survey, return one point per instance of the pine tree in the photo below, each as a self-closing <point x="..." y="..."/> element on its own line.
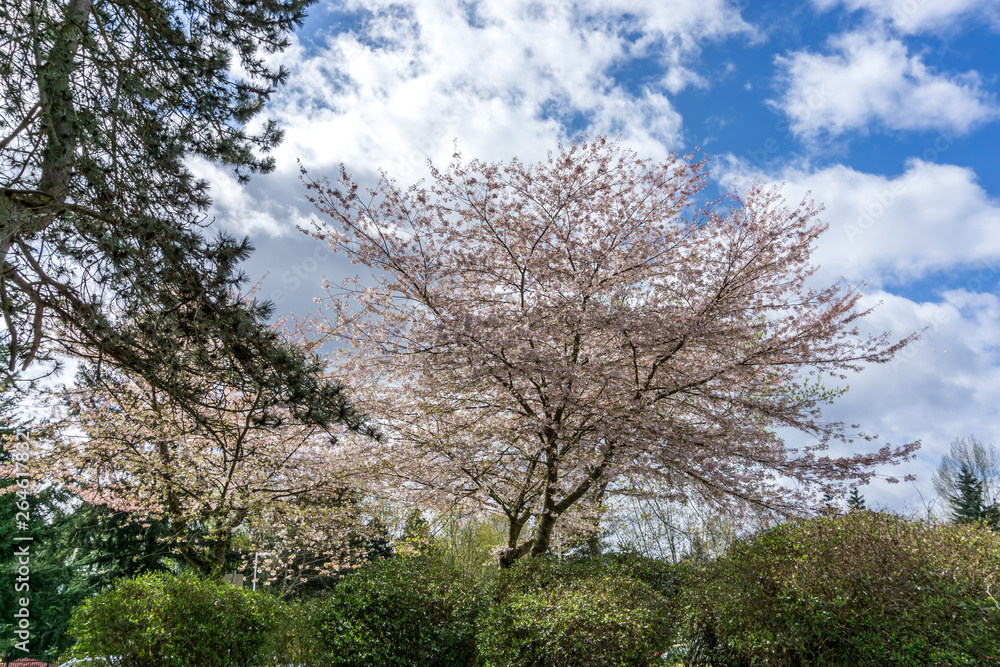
<point x="967" y="500"/>
<point x="102" y="239"/>
<point x="968" y="478"/>
<point x="855" y="501"/>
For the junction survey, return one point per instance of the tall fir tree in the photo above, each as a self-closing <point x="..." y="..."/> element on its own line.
<point x="856" y="501"/>
<point x="968" y="479"/>
<point x="967" y="503"/>
<point x="103" y="104"/>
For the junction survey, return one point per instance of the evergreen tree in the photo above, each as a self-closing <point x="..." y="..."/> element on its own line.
<point x="967" y="500"/>
<point x="111" y="545"/>
<point x="102" y="105"/>
<point x="968" y="478"/>
<point x="855" y="501"/>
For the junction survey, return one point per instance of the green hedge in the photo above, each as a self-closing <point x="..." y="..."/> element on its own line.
<point x="552" y="614"/>
<point x="862" y="588"/>
<point x="161" y="620"/>
<point x="400" y="611"/>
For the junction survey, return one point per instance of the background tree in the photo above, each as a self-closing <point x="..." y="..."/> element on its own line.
<point x="855" y="501"/>
<point x="968" y="478"/>
<point x="242" y="458"/>
<point x="104" y="104"/>
<point x="297" y="556"/>
<point x="539" y="330"/>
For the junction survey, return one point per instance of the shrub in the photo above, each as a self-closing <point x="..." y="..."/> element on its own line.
<point x="162" y="620"/>
<point x="662" y="576"/>
<point x="552" y="614"/>
<point x="862" y="588"/>
<point x="400" y="611"/>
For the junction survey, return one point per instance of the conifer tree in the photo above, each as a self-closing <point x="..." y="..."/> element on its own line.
<point x="968" y="478"/>
<point x="967" y="500"/>
<point x="855" y="501"/>
<point x="103" y="103"/>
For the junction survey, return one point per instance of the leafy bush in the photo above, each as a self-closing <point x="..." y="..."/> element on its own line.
<point x="862" y="588"/>
<point x="552" y="614"/>
<point x="161" y="620"/>
<point x="400" y="611"/>
<point x="662" y="576"/>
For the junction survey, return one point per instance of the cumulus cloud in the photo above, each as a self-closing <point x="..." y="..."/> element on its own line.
<point x="889" y="231"/>
<point x="941" y="387"/>
<point x="505" y="78"/>
<point x="399" y="82"/>
<point x="914" y="16"/>
<point x="870" y="79"/>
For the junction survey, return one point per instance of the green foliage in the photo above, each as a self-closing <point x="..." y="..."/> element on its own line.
<point x="861" y="588"/>
<point x="467" y="543"/>
<point x="400" y="611"/>
<point x="553" y="614"/>
<point x="416" y="540"/>
<point x="160" y="620"/>
<point x="112" y="545"/>
<point x="54" y="584"/>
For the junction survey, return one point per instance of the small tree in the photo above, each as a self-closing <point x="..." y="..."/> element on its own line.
<point x="539" y="330"/>
<point x="855" y="501"/>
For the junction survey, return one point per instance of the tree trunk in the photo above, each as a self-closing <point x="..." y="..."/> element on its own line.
<point x="594" y="539"/>
<point x="543" y="533"/>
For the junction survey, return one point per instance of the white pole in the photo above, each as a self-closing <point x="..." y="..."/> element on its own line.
<point x="257" y="553"/>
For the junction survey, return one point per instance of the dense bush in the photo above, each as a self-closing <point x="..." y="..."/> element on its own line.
<point x="662" y="576"/>
<point x="862" y="588"/>
<point x="552" y="614"/>
<point x="400" y="611"/>
<point x="161" y="620"/>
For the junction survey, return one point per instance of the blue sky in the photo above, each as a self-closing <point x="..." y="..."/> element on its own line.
<point x="888" y="111"/>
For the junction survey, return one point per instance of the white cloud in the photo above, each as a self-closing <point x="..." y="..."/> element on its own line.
<point x="913" y="16"/>
<point x="871" y="79"/>
<point x="939" y="388"/>
<point x="242" y="211"/>
<point x="889" y="231"/>
<point x="504" y="79"/>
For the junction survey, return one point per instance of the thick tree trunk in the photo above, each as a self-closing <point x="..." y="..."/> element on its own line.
<point x="543" y="533"/>
<point x="513" y="552"/>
